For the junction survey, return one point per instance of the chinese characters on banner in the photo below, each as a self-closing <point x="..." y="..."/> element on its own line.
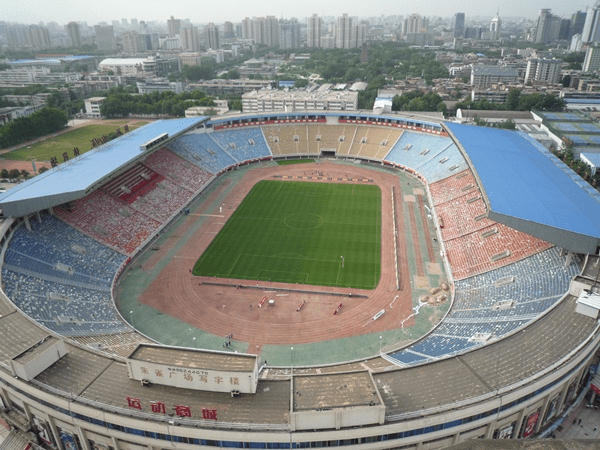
<point x="180" y="410"/>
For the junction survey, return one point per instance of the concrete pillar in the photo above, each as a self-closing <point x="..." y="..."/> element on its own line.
<point x="38" y="217"/>
<point x="27" y="225"/>
<point x="83" y="438"/>
<point x="517" y="429"/>
<point x="54" y="431"/>
<point x="569" y="258"/>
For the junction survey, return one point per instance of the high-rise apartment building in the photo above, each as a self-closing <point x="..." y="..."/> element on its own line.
<point x="577" y="23"/>
<point x="74" y="34"/>
<point x="289" y="34"/>
<point x="105" y="37"/>
<point x="173" y="26"/>
<point x="591" y="63"/>
<point x="415" y="24"/>
<point x="228" y="30"/>
<point x="591" y="28"/>
<point x="135" y="43"/>
<point x="189" y="39"/>
<point x="543" y="70"/>
<point x="211" y="37"/>
<point x="246" y="28"/>
<point x="547" y="28"/>
<point x="459" y="24"/>
<point x="314" y="31"/>
<point x="38" y="37"/>
<point x="257" y="30"/>
<point x="342" y="31"/>
<point x="358" y="34"/>
<point x="270" y="31"/>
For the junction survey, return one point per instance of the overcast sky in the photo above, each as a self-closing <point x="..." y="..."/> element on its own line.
<point x="203" y="11"/>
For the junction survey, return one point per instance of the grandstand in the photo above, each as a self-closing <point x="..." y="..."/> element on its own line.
<point x="519" y="233"/>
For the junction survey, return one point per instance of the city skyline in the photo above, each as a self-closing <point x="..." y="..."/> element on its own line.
<point x="235" y="10"/>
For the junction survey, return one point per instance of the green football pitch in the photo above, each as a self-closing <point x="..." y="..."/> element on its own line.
<point x="301" y="232"/>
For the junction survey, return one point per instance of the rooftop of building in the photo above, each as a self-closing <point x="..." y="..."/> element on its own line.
<point x="195" y="358"/>
<point x="550" y="202"/>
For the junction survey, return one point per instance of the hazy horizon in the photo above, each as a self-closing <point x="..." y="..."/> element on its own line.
<point x="31" y="12"/>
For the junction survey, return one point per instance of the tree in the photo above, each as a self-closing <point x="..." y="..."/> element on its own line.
<point x="507" y="125"/>
<point x="236" y="105"/>
<point x="13" y="174"/>
<point x="42" y="169"/>
<point x="24" y="173"/>
<point x="44" y="121"/>
<point x="512" y="101"/>
<point x="4" y="173"/>
<point x="233" y="74"/>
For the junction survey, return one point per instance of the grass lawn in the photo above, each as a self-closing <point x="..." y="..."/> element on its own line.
<point x="55" y="146"/>
<point x="288" y="162"/>
<point x="297" y="232"/>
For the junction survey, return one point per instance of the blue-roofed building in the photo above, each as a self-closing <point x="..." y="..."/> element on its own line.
<point x="80" y="176"/>
<point x="528" y="189"/>
<point x="57" y="61"/>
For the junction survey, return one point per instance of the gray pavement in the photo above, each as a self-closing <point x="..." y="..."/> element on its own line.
<point x="582" y="423"/>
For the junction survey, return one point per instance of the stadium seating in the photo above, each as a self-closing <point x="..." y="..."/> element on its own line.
<point x="51" y="243"/>
<point x="489" y="248"/>
<point x="134" y="182"/>
<point x="288" y="139"/>
<point x="463" y="215"/>
<point x="178" y="170"/>
<point x="329" y="137"/>
<point x="374" y="142"/>
<point x="242" y="144"/>
<point x="452" y="187"/>
<point x="109" y="221"/>
<point x="434" y="157"/>
<point x="62" y="278"/>
<point x="494" y="304"/>
<point x="202" y="151"/>
<point x="163" y="201"/>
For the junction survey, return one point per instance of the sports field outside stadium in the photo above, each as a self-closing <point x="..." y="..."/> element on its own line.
<point x="301" y="232"/>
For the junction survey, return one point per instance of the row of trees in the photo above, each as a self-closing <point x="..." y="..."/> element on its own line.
<point x="14" y="174"/>
<point x="44" y="121"/>
<point x="390" y="60"/>
<point x="517" y="101"/>
<point x="418" y="101"/>
<point x="119" y="103"/>
<point x="566" y="155"/>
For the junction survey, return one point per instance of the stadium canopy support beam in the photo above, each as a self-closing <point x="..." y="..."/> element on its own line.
<point x="27" y="225"/>
<point x="38" y="217"/>
<point x="51" y="211"/>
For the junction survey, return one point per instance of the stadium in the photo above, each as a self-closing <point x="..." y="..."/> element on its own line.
<point x="482" y="232"/>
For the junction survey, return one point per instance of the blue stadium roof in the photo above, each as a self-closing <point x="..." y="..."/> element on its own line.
<point x="529" y="189"/>
<point x="73" y="179"/>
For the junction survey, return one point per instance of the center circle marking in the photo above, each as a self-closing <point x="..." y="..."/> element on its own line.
<point x="303" y="221"/>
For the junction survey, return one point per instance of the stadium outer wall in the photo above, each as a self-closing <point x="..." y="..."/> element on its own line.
<point x="97" y="425"/>
<point x="60" y="416"/>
